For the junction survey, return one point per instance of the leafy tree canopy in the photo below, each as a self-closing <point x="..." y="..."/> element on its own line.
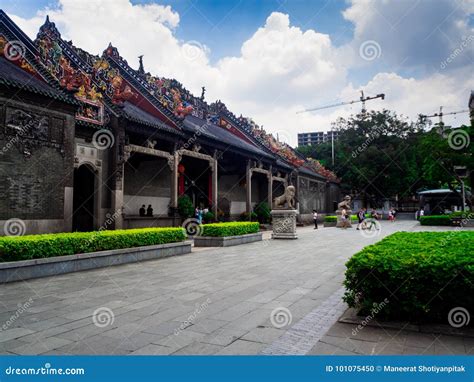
<point x="380" y="154"/>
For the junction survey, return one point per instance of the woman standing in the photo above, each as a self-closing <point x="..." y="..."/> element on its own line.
<point x="315" y="219"/>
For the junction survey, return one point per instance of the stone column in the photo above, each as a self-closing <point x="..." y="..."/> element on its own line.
<point x="174" y="163"/>
<point x="270" y="187"/>
<point x="121" y="155"/>
<point x="117" y="198"/>
<point x="213" y="165"/>
<point x="248" y="176"/>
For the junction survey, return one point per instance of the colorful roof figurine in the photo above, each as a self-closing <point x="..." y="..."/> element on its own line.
<point x="106" y="85"/>
<point x="317" y="167"/>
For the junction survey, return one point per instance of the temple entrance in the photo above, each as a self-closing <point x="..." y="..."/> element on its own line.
<point x="195" y="181"/>
<point x="83" y="199"/>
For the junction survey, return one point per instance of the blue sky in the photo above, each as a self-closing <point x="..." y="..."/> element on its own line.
<point x="269" y="59"/>
<point x="224" y="25"/>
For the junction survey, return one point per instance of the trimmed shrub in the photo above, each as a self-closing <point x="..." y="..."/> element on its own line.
<point x="185" y="206"/>
<point x="245" y="217"/>
<point x="422" y="274"/>
<point x="230" y="229"/>
<point x="14" y="248"/>
<point x="435" y="220"/>
<point x="462" y="214"/>
<point x="263" y="212"/>
<point x="208" y="217"/>
<point x="332" y="218"/>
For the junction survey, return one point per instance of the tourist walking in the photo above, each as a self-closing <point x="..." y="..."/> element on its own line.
<point x="361" y="218"/>
<point x="390" y="215"/>
<point x="344" y="218"/>
<point x="315" y="219"/>
<point x="198" y="214"/>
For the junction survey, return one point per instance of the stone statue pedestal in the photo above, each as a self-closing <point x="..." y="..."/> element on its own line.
<point x="343" y="223"/>
<point x="284" y="224"/>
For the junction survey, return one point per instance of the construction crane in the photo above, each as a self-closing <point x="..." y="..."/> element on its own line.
<point x="441" y="114"/>
<point x="362" y="99"/>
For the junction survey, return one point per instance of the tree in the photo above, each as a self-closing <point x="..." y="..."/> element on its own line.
<point x="381" y="155"/>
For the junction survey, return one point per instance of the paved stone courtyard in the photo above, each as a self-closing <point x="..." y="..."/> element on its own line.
<point x="213" y="301"/>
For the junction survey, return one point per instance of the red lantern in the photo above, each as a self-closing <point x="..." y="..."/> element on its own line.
<point x="181" y="169"/>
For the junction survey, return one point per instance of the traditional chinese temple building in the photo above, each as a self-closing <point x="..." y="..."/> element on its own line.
<point x="86" y="140"/>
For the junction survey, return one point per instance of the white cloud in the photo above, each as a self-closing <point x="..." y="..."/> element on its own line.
<point x="281" y="69"/>
<point x="413" y="34"/>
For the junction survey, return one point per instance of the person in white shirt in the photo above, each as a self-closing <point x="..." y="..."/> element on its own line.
<point x="315" y="219"/>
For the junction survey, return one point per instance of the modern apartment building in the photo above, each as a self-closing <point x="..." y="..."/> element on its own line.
<point x="316" y="137"/>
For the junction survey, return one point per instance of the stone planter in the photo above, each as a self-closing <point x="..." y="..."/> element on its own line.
<point x="330" y="224"/>
<point x="226" y="241"/>
<point x="51" y="266"/>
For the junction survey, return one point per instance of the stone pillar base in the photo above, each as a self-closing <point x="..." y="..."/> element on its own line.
<point x="344" y="223"/>
<point x="284" y="224"/>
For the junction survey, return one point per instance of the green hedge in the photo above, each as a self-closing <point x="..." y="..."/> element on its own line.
<point x="230" y="229"/>
<point x="462" y="214"/>
<point x="14" y="248"/>
<point x="332" y="218"/>
<point x="422" y="274"/>
<point x="208" y="217"/>
<point x="435" y="220"/>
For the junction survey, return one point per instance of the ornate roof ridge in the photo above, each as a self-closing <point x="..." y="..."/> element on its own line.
<point x="30" y="54"/>
<point x="112" y="53"/>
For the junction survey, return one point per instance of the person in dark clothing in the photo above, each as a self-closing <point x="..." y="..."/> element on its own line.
<point x="149" y="211"/>
<point x="142" y="211"/>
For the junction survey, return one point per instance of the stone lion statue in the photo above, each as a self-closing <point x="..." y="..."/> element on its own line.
<point x="345" y="204"/>
<point x="288" y="198"/>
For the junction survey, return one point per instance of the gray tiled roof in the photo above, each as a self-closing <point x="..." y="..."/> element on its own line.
<point x="192" y="124"/>
<point x="135" y="114"/>
<point x="13" y="76"/>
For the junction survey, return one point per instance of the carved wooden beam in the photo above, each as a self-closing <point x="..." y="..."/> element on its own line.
<point x="196" y="154"/>
<point x="148" y="151"/>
